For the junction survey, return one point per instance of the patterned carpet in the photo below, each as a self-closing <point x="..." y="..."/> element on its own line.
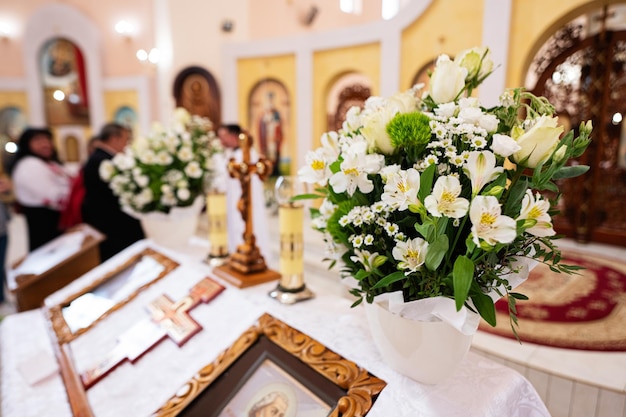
<point x="586" y="311"/>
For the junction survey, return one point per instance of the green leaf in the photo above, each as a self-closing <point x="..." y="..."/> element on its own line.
<point x="462" y="275"/>
<point x="570" y="172"/>
<point x="427" y="230"/>
<point x="306" y="197"/>
<point x="436" y="251"/>
<point x="486" y="309"/>
<point x="389" y="279"/>
<point x="426" y="182"/>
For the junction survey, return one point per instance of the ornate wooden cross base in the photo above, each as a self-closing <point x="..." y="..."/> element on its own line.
<point x="247" y="267"/>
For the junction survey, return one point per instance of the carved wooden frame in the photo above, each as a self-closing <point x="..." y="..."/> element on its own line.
<point x="55" y="312"/>
<point x="357" y="387"/>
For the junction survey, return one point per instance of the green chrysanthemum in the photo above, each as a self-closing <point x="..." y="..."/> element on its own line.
<point x="410" y="132"/>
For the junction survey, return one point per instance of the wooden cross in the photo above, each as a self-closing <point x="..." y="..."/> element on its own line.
<point x="247" y="266"/>
<point x="168" y="319"/>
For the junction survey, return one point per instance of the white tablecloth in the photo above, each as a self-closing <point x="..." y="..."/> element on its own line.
<point x="479" y="388"/>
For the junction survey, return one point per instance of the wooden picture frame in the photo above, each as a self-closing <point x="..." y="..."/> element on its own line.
<point x="64" y="334"/>
<point x="325" y="376"/>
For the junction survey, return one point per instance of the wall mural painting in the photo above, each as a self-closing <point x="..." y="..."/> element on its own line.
<point x="196" y="90"/>
<point x="269" y="108"/>
<point x="64" y="82"/>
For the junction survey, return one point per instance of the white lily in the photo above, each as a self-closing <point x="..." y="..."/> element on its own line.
<point x="401" y="189"/>
<point x="537" y="209"/>
<point x="445" y="200"/>
<point x="354" y="169"/>
<point x="481" y="169"/>
<point x="488" y="223"/>
<point x="365" y="258"/>
<point x="317" y="169"/>
<point x="411" y="254"/>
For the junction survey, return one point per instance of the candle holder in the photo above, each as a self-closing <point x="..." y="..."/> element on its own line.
<point x="218" y="227"/>
<point x="291" y="287"/>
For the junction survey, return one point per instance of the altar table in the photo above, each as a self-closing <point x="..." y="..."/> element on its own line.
<point x="480" y="387"/>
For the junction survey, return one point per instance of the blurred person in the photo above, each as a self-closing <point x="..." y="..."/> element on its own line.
<point x="41" y="185"/>
<point x="72" y="214"/>
<point x="101" y="208"/>
<point x="5" y="190"/>
<point x="229" y="136"/>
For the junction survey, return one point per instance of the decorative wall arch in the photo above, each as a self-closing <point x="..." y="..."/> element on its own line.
<point x="350" y="89"/>
<point x="60" y="20"/>
<point x="196" y="90"/>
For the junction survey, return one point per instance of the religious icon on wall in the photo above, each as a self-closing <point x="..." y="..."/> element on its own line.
<point x="196" y="90"/>
<point x="269" y="108"/>
<point x="64" y="82"/>
<point x="127" y="116"/>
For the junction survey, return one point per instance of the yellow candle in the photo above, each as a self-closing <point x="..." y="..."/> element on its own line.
<point x="291" y="219"/>
<point x="218" y="227"/>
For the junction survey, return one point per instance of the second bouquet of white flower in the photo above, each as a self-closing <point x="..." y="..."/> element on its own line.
<point x="169" y="168"/>
<point x="435" y="195"/>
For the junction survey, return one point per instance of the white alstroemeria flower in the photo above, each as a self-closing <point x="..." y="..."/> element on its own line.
<point x="504" y="145"/>
<point x="445" y="200"/>
<point x="447" y="80"/>
<point x="488" y="223"/>
<point x="164" y="158"/>
<point x="389" y="170"/>
<point x="185" y="154"/>
<point x="536" y="208"/>
<point x="411" y="254"/>
<point x="365" y="258"/>
<point x="401" y="189"/>
<point x="354" y="169"/>
<point x="330" y="145"/>
<point x="193" y="170"/>
<point x="481" y="169"/>
<point x="106" y="170"/>
<point x="374" y="129"/>
<point x="317" y="169"/>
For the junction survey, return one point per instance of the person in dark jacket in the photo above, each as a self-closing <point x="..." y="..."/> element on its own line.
<point x="101" y="208"/>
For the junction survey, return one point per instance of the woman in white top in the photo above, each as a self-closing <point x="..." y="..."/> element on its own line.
<point x="41" y="185"/>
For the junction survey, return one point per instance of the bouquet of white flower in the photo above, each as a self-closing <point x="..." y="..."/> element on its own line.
<point x="437" y="195"/>
<point x="169" y="168"/>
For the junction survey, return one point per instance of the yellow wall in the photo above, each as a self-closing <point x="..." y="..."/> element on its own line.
<point x="329" y="66"/>
<point x="446" y="27"/>
<point x="14" y="99"/>
<point x="113" y="100"/>
<point x="251" y="71"/>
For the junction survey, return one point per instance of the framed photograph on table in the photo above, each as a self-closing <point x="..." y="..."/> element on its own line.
<point x="83" y="309"/>
<point x="275" y="368"/>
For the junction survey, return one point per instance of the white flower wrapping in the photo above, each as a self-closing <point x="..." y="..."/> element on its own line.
<point x="433" y="196"/>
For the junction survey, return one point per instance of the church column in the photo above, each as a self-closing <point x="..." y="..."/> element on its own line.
<point x="163" y="42"/>
<point x="496" y="30"/>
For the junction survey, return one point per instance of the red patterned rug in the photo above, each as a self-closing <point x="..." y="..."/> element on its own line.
<point x="585" y="311"/>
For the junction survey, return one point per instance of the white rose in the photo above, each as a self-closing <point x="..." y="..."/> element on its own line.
<point x="446" y="110"/>
<point x="489" y="122"/>
<point x="504" y="145"/>
<point x="538" y="143"/>
<point x="404" y="102"/>
<point x="183" y="194"/>
<point x="375" y="130"/>
<point x="471" y="60"/>
<point x="447" y="80"/>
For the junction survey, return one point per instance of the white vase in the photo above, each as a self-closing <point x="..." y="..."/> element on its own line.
<point x="425" y="351"/>
<point x="173" y="229"/>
